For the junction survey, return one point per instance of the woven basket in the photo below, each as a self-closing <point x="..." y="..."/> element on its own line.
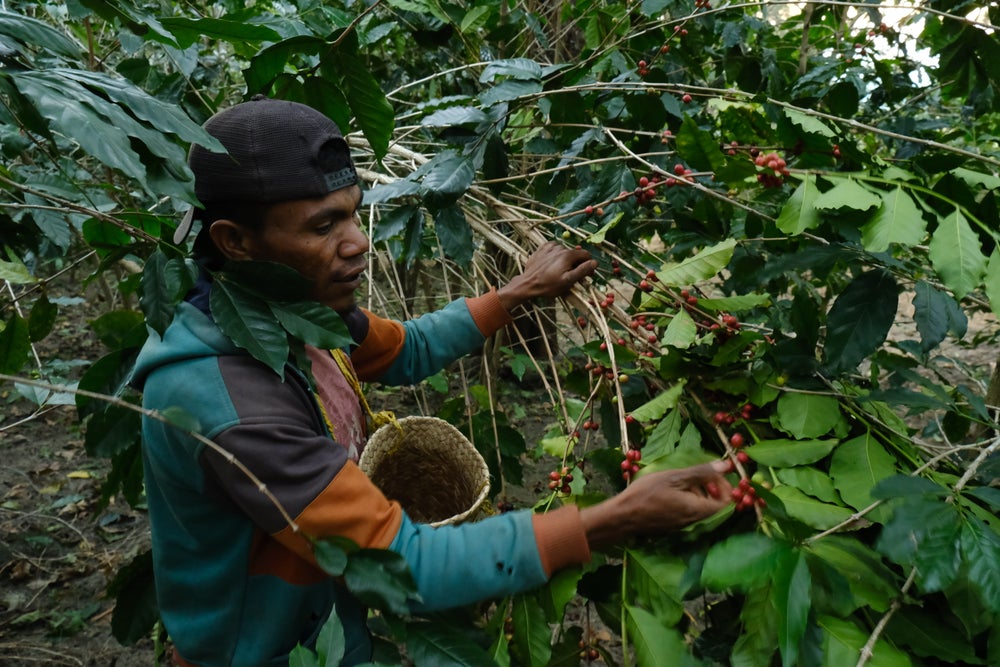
<point x="430" y="467"/>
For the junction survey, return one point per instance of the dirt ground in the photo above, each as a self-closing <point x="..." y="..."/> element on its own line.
<point x="59" y="548"/>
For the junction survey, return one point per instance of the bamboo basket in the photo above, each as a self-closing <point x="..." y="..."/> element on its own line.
<point x="430" y="468"/>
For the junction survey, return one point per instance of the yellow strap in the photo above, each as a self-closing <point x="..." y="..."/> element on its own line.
<point x="378" y="419"/>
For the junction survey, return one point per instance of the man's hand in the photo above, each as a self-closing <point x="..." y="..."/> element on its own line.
<point x="550" y="271"/>
<point x="657" y="503"/>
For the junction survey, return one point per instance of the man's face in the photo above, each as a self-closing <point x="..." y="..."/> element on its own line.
<point x="320" y="238"/>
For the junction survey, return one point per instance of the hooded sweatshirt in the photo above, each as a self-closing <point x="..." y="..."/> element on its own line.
<point x="236" y="585"/>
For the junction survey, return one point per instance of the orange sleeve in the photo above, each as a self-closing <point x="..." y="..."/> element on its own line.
<point x="487" y="312"/>
<point x="560" y="538"/>
<point x="380" y="347"/>
<point x="350" y="506"/>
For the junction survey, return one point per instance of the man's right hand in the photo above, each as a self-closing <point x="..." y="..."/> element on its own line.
<point x="657" y="503"/>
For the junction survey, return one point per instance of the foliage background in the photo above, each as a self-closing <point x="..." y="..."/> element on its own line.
<point x="812" y="170"/>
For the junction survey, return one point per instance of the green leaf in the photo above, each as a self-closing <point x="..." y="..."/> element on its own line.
<point x="847" y="194"/>
<point x="956" y="255"/>
<point x="448" y="176"/>
<point x="871" y="582"/>
<point x="558" y="592"/>
<point x="190" y="30"/>
<point x="164" y="282"/>
<point x="741" y="561"/>
<point x="517" y="68"/>
<point x="856" y="467"/>
<point x="112" y="431"/>
<point x="300" y="656"/>
<point x="16" y="273"/>
<point x="104" y="237"/>
<point x="655" y="645"/>
<point x="438" y="645"/>
<point x="15" y="345"/>
<point x="160" y="116"/>
<point x="331" y="644"/>
<point x="808" y="415"/>
<point x="663" y="440"/>
<point x="757" y="643"/>
<point x="810" y="511"/>
<point x="793" y="600"/>
<point x="988" y="495"/>
<point x="509" y="90"/>
<point x="860" y="319"/>
<point x="381" y="579"/>
<point x="783" y="453"/>
<point x="920" y="631"/>
<point x="936" y="313"/>
<point x="900" y="486"/>
<point x="698" y="148"/>
<point x="332" y="554"/>
<point x="993" y="281"/>
<point x="656" y="579"/>
<point x="531" y="631"/>
<point x="374" y="113"/>
<point x="843" y="640"/>
<point x="475" y="18"/>
<point x="809" y="480"/>
<point x="41" y="318"/>
<point x="450" y="116"/>
<point x="981" y="553"/>
<point x="599" y="236"/>
<point x="682" y="332"/>
<point x="702" y="266"/>
<point x="313" y="324"/>
<point x="248" y="321"/>
<point x="269" y="62"/>
<point x="658" y="406"/>
<point x="809" y="124"/>
<point x="69" y="109"/>
<point x="30" y="32"/>
<point x="897" y="221"/>
<point x="120" y="328"/>
<point x="799" y="212"/>
<point x="455" y="234"/>
<point x="136" y="610"/>
<point x="268" y="280"/>
<point x="924" y="532"/>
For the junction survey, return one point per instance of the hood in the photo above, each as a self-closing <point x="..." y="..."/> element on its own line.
<point x="192" y="334"/>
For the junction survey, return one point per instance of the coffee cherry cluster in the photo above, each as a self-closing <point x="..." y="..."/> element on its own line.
<point x="745" y="496"/>
<point x="723" y="418"/>
<point x="630" y="466"/>
<point x="588" y="652"/>
<point x="777" y="166"/>
<point x="559" y="480"/>
<point x="504" y="506"/>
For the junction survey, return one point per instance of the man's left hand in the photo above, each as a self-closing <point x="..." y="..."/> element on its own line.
<point x="551" y="271"/>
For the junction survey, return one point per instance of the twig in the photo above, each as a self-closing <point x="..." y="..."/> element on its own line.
<point x="868" y="649"/>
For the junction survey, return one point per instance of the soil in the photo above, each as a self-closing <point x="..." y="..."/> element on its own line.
<point x="59" y="546"/>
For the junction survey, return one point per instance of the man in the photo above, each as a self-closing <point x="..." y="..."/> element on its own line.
<point x="235" y="584"/>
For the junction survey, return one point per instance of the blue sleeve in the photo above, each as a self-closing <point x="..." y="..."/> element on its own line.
<point x="433" y="341"/>
<point x="459" y="565"/>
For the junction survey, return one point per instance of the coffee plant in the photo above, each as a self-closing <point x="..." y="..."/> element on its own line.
<point x="795" y="211"/>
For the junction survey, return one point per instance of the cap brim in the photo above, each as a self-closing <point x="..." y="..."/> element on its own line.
<point x="184" y="228"/>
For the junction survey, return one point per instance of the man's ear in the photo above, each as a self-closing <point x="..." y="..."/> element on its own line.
<point x="231" y="239"/>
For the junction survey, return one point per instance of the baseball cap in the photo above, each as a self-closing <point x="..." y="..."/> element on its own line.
<point x="278" y="151"/>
